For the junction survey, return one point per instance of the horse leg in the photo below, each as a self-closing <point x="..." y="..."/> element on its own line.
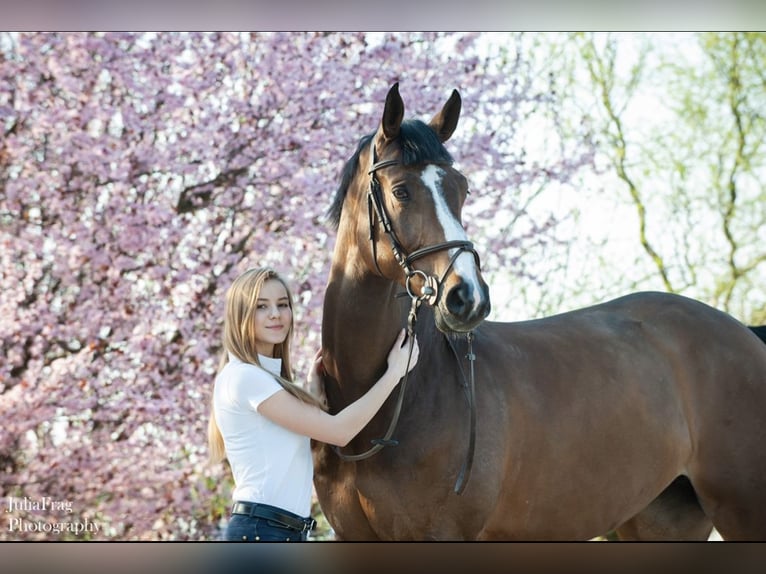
<point x="737" y="507"/>
<point x="728" y="471"/>
<point x="675" y="514"/>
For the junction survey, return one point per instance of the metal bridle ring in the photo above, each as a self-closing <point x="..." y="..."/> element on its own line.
<point x="430" y="287"/>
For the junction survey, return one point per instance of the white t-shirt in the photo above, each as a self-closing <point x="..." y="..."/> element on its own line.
<point x="270" y="464"/>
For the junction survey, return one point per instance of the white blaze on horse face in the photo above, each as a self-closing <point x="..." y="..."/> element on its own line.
<point x="465" y="264"/>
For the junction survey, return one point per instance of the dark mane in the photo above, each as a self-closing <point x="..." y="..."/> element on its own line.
<point x="419" y="144"/>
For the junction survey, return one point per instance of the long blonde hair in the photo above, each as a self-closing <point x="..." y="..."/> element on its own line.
<point x="239" y="340"/>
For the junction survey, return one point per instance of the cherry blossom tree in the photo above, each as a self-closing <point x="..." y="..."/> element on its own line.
<point x="140" y="172"/>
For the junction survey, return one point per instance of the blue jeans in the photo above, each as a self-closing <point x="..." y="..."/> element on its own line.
<point x="243" y="528"/>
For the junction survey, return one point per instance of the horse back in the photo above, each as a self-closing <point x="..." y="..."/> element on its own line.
<point x="690" y="347"/>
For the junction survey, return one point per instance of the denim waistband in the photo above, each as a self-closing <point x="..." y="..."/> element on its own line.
<point x="275" y="514"/>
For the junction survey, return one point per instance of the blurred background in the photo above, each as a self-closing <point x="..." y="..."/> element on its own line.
<point x="141" y="172"/>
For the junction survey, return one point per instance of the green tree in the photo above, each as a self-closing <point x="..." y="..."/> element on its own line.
<point x="681" y="128"/>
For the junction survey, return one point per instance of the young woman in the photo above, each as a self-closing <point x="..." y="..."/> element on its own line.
<point x="262" y="422"/>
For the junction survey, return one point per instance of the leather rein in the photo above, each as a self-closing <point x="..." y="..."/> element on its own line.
<point x="430" y="293"/>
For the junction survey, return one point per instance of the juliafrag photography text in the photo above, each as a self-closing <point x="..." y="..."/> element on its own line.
<point x="44" y="514"/>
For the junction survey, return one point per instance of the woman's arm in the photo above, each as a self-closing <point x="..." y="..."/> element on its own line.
<point x="297" y="416"/>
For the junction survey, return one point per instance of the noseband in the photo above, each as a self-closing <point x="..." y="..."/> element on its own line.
<point x="431" y="293"/>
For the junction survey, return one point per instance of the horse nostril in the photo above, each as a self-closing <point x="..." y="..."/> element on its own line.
<point x="466" y="303"/>
<point x="459" y="301"/>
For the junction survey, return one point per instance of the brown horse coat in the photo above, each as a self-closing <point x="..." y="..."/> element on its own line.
<point x="646" y="414"/>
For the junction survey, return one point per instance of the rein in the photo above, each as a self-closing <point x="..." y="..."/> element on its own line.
<point x="431" y="293"/>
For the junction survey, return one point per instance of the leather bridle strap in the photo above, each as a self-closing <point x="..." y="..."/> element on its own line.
<point x="459" y="244"/>
<point x="430" y="292"/>
<point x="375" y="208"/>
<point x="379" y="443"/>
<point x="470" y="388"/>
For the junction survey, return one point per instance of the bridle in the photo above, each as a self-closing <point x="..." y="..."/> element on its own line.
<point x="431" y="293"/>
<point x="432" y="286"/>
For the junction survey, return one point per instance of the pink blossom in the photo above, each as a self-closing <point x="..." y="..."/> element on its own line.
<point x="139" y="173"/>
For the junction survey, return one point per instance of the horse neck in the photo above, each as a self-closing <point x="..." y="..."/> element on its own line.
<point x="361" y="319"/>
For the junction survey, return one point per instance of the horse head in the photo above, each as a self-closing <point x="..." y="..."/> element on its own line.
<point x="405" y="188"/>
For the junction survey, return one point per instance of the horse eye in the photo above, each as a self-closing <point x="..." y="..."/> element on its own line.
<point x="401" y="193"/>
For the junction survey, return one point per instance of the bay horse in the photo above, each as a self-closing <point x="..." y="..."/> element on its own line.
<point x="644" y="415"/>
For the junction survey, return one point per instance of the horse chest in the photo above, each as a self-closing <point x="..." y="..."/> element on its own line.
<point x="376" y="500"/>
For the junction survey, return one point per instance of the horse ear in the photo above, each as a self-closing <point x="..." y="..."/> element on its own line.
<point x="393" y="114"/>
<point x="445" y="122"/>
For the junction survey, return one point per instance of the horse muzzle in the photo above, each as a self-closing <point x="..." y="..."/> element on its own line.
<point x="462" y="306"/>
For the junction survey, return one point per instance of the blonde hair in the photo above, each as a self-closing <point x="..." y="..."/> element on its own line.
<point x="239" y="340"/>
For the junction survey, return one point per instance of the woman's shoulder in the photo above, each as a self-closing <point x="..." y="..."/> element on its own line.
<point x="245" y="383"/>
<point x="236" y="371"/>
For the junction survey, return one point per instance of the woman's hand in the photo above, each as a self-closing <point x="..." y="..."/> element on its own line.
<point x="400" y="354"/>
<point x="315" y="379"/>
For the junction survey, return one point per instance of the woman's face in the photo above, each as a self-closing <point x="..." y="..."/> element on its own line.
<point x="273" y="317"/>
